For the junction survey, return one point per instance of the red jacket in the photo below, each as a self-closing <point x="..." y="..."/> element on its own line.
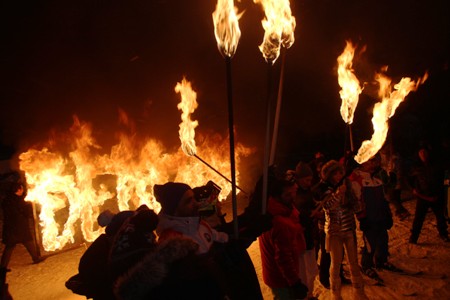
<point x="281" y="246"/>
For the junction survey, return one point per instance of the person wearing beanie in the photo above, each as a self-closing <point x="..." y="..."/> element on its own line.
<point x="179" y="217"/>
<point x="336" y="197"/>
<point x="169" y="196"/>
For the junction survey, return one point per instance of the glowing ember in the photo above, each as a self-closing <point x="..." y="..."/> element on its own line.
<point x="71" y="186"/>
<point x="226" y="27"/>
<point x="349" y="83"/>
<point x="279" y="26"/>
<point x="384" y="110"/>
<point x="187" y="105"/>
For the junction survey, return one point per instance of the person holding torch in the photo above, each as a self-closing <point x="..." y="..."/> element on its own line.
<point x="340" y="206"/>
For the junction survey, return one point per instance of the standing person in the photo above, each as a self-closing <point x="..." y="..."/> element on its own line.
<point x="391" y="173"/>
<point x="316" y="165"/>
<point x="180" y="267"/>
<point x="375" y="219"/>
<point x="16" y="225"/>
<point x="305" y="204"/>
<point x="427" y="180"/>
<point x="227" y="261"/>
<point x="282" y="245"/>
<point x="340" y="206"/>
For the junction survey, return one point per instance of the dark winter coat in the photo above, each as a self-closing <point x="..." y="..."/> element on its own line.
<point x="172" y="271"/>
<point x="370" y="194"/>
<point x="128" y="238"/>
<point x="427" y="179"/>
<point x="16" y="219"/>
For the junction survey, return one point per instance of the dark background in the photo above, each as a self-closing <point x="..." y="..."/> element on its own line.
<point x="93" y="57"/>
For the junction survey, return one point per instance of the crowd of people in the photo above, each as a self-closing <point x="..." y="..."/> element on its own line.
<point x="308" y="230"/>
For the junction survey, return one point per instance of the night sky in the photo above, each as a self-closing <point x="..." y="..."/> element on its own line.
<point x="93" y="57"/>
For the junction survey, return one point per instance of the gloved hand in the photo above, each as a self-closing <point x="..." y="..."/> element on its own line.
<point x="298" y="290"/>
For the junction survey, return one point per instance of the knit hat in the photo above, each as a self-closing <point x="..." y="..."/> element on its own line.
<point x="104" y="218"/>
<point x="145" y="220"/>
<point x="169" y="195"/>
<point x="303" y="170"/>
<point x="329" y="168"/>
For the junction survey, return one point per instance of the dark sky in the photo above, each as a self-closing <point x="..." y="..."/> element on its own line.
<point x="93" y="57"/>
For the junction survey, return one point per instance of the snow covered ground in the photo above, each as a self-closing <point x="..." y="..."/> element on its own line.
<point x="46" y="280"/>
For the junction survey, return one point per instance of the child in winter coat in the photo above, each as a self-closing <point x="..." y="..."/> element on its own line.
<point x="340" y="207"/>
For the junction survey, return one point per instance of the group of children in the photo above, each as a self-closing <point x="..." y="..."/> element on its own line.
<point x="323" y="213"/>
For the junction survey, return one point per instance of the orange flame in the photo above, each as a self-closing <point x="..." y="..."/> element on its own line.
<point x="226" y="27"/>
<point x="349" y="83"/>
<point x="187" y="105"/>
<point x="279" y="26"/>
<point x="72" y="187"/>
<point x="384" y="110"/>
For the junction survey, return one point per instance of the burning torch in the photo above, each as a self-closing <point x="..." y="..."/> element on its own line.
<point x="279" y="25"/>
<point x="227" y="33"/>
<point x="188" y="105"/>
<point x="384" y="110"/>
<point x="350" y="88"/>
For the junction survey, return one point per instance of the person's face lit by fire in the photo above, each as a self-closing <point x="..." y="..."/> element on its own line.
<point x="336" y="176"/>
<point x="305" y="182"/>
<point x="188" y="205"/>
<point x="19" y="192"/>
<point x="289" y="193"/>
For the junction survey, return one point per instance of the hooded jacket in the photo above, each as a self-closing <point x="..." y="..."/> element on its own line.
<point x="281" y="246"/>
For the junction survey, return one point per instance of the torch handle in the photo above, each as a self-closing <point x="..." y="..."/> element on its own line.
<point x="215" y="170"/>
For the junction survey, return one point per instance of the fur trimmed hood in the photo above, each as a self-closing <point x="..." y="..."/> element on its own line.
<point x="153" y="269"/>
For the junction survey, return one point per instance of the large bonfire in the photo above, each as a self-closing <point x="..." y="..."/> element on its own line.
<point x="76" y="178"/>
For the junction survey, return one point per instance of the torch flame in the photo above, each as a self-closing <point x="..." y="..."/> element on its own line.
<point x="71" y="187"/>
<point x="349" y="83"/>
<point x="187" y="105"/>
<point x="384" y="110"/>
<point x="226" y="27"/>
<point x="279" y="26"/>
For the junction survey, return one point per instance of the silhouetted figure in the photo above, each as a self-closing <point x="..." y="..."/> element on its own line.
<point x="390" y="172"/>
<point x="128" y="237"/>
<point x="16" y="224"/>
<point x="427" y="181"/>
